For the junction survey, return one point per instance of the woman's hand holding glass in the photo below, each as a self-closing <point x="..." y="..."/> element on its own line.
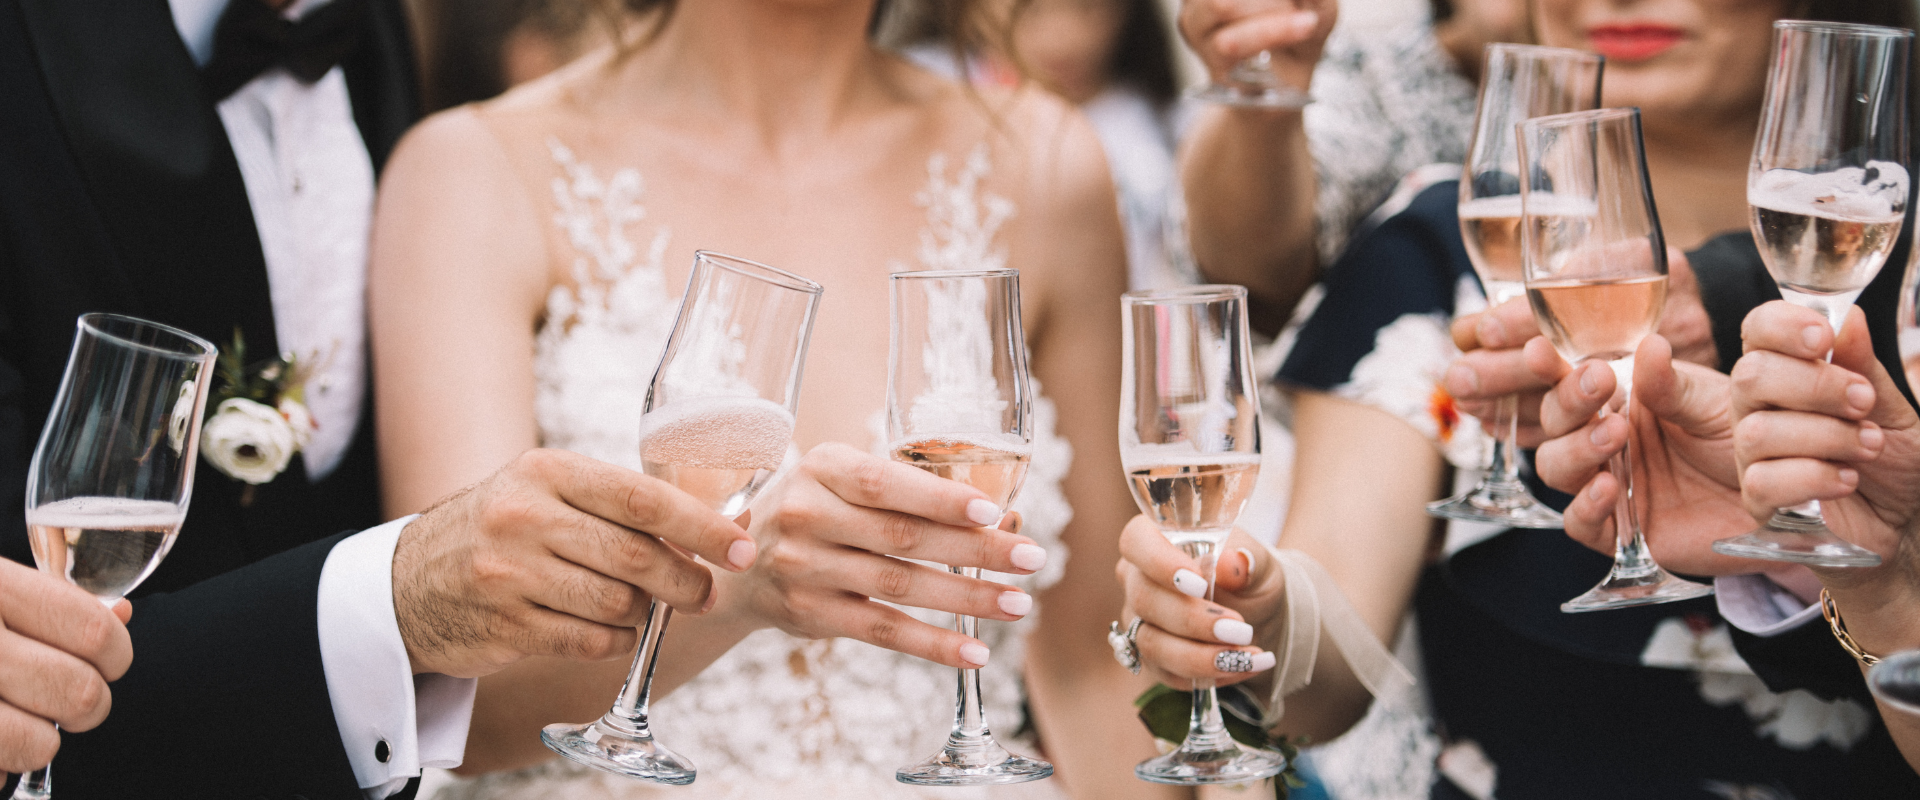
<point x="833" y="537"/>
<point x="1182" y="634"/>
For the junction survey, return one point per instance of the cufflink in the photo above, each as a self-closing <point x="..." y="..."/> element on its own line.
<point x="381" y="752"/>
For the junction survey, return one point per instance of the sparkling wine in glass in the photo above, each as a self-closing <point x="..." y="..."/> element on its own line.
<point x="1522" y="81"/>
<point x="1596" y="276"/>
<point x="1828" y="188"/>
<point x="1190" y="443"/>
<point x="959" y="405"/>
<point x="108" y="487"/>
<point x="717" y="423"/>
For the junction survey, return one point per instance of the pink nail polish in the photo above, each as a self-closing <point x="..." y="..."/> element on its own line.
<point x="975" y="654"/>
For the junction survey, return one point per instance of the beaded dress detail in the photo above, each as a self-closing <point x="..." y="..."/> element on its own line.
<point x="777" y="715"/>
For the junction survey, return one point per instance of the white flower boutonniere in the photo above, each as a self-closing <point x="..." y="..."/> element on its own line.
<point x="260" y="422"/>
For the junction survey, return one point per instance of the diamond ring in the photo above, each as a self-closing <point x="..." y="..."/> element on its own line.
<point x="1125" y="649"/>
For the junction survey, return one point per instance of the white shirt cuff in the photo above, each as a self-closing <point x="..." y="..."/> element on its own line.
<point x="1757" y="605"/>
<point x="391" y="721"/>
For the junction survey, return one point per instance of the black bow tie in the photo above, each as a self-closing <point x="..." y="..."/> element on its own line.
<point x="252" y="38"/>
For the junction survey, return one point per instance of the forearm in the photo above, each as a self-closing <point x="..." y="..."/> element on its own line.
<point x="1250" y="188"/>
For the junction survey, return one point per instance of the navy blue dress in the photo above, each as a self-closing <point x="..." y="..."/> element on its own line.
<point x="1566" y="706"/>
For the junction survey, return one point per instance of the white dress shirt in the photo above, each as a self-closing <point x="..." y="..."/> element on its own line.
<point x="310" y="183"/>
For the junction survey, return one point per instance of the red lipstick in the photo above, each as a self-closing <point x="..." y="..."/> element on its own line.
<point x="1633" y="41"/>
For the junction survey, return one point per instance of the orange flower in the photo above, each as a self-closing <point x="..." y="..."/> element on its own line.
<point x="1445" y="413"/>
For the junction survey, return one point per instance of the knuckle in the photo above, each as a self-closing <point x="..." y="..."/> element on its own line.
<point x="870" y="478"/>
<point x="643" y="505"/>
<point x="900" y="533"/>
<point x="85" y="694"/>
<point x="794" y="515"/>
<point x="884" y="632"/>
<point x="786" y="561"/>
<point x="491" y="573"/>
<point x="92" y="637"/>
<point x="508" y="512"/>
<point x="894" y="581"/>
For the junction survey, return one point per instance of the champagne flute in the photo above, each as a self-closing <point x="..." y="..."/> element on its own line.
<point x="1252" y="84"/>
<point x="108" y="487"/>
<point x="1596" y="276"/>
<point x="717" y="423"/>
<point x="1828" y="188"/>
<point x="1896" y="681"/>
<point x="959" y="406"/>
<point x="1190" y="442"/>
<point x="1522" y="81"/>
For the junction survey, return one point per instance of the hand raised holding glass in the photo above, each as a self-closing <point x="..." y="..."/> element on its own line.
<point x="1263" y="58"/>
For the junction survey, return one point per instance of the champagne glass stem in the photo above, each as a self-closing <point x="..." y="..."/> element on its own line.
<point x="1506" y="422"/>
<point x="1630" y="556"/>
<point x="1206" y="730"/>
<point x="38" y="784"/>
<point x="637" y="692"/>
<point x="969" y="715"/>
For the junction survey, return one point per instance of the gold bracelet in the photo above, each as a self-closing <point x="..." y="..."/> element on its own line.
<point x="1839" y="626"/>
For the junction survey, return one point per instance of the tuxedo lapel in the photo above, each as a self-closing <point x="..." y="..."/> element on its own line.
<point x="156" y="162"/>
<point x="381" y="80"/>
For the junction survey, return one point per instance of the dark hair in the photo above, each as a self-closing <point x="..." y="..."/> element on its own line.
<point x="1442" y="10"/>
<point x="1143" y="53"/>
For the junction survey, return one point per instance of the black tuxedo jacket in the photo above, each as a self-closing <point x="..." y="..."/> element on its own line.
<point x="119" y="192"/>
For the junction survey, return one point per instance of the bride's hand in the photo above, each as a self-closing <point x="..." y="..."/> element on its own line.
<point x="829" y="536"/>
<point x="1184" y="635"/>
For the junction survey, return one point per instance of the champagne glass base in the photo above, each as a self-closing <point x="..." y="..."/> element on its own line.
<point x="1252" y="96"/>
<point x="1234" y="763"/>
<point x="1498" y="505"/>
<point x="1813" y="545"/>
<point x="1896" y="681"/>
<point x="612" y="746"/>
<point x="980" y="762"/>
<point x="1625" y="591"/>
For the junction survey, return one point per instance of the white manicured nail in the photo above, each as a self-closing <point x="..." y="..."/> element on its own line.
<point x="982" y="512"/>
<point x="1262" y="661"/>
<point x="1190" y="583"/>
<point x="742" y="553"/>
<point x="1226" y="631"/>
<point x="1030" y="557"/>
<point x="1019" y="603"/>
<point x="976" y="654"/>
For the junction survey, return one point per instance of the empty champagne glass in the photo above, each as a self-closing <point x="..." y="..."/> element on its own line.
<point x="959" y="406"/>
<point x="1828" y="188"/>
<point x="108" y="487"/>
<point x="1596" y="276"/>
<point x="717" y="423"/>
<point x="1190" y="443"/>
<point x="1521" y="82"/>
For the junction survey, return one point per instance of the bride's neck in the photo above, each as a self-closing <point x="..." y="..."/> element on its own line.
<point x="790" y="68"/>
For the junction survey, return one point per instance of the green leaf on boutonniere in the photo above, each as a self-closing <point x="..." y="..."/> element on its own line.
<point x="1168" y="712"/>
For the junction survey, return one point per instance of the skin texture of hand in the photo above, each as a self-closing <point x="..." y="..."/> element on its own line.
<point x="834" y="537"/>
<point x="1840" y="433"/>
<point x="58" y="650"/>
<point x="1183" y="632"/>
<point x="1492" y="365"/>
<point x="555" y="554"/>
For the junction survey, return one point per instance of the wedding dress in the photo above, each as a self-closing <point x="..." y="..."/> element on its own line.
<point x="777" y="716"/>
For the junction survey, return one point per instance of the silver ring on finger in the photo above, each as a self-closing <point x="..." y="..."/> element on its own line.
<point x="1126" y="649"/>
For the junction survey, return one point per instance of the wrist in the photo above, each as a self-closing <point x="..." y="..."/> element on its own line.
<point x="1878" y="612"/>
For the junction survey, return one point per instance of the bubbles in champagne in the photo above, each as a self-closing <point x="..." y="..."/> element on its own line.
<point x="105" y="545"/>
<point x="1871" y="194"/>
<point x="1827" y="233"/>
<point x="718" y="433"/>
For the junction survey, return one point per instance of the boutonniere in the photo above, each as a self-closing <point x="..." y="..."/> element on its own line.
<point x="260" y="419"/>
<point x="1167" y="712"/>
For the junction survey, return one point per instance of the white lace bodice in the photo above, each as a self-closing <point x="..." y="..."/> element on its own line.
<point x="776" y="714"/>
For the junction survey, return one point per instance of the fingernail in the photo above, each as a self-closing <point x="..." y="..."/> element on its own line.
<point x="1232" y="631"/>
<point x="1871" y="437"/>
<point x="1860" y="396"/>
<point x="1849" y="476"/>
<point x="982" y="512"/>
<point x="1811" y="335"/>
<point x="1305" y="20"/>
<point x="1029" y="557"/>
<point x="1588" y="383"/>
<point x="1016" y="603"/>
<point x="1493" y="332"/>
<point x="1599" y="436"/>
<point x="1461" y="380"/>
<point x="741" y="554"/>
<point x="1242" y="661"/>
<point x="1248" y="555"/>
<point x="975" y="654"/>
<point x="1190" y="583"/>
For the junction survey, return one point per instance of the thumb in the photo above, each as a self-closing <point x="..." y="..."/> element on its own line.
<point x="123" y="610"/>
<point x="1853" y="351"/>
<point x="1245" y="564"/>
<point x="1689" y="399"/>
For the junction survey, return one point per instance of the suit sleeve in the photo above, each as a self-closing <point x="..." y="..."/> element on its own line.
<point x="227" y="696"/>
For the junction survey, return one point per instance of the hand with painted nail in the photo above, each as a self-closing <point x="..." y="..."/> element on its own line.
<point x="835" y="535"/>
<point x="1840" y="433"/>
<point x="1184" y="636"/>
<point x="1224" y="32"/>
<point x="556" y="554"/>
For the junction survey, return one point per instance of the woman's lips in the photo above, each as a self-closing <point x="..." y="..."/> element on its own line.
<point x="1633" y="42"/>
